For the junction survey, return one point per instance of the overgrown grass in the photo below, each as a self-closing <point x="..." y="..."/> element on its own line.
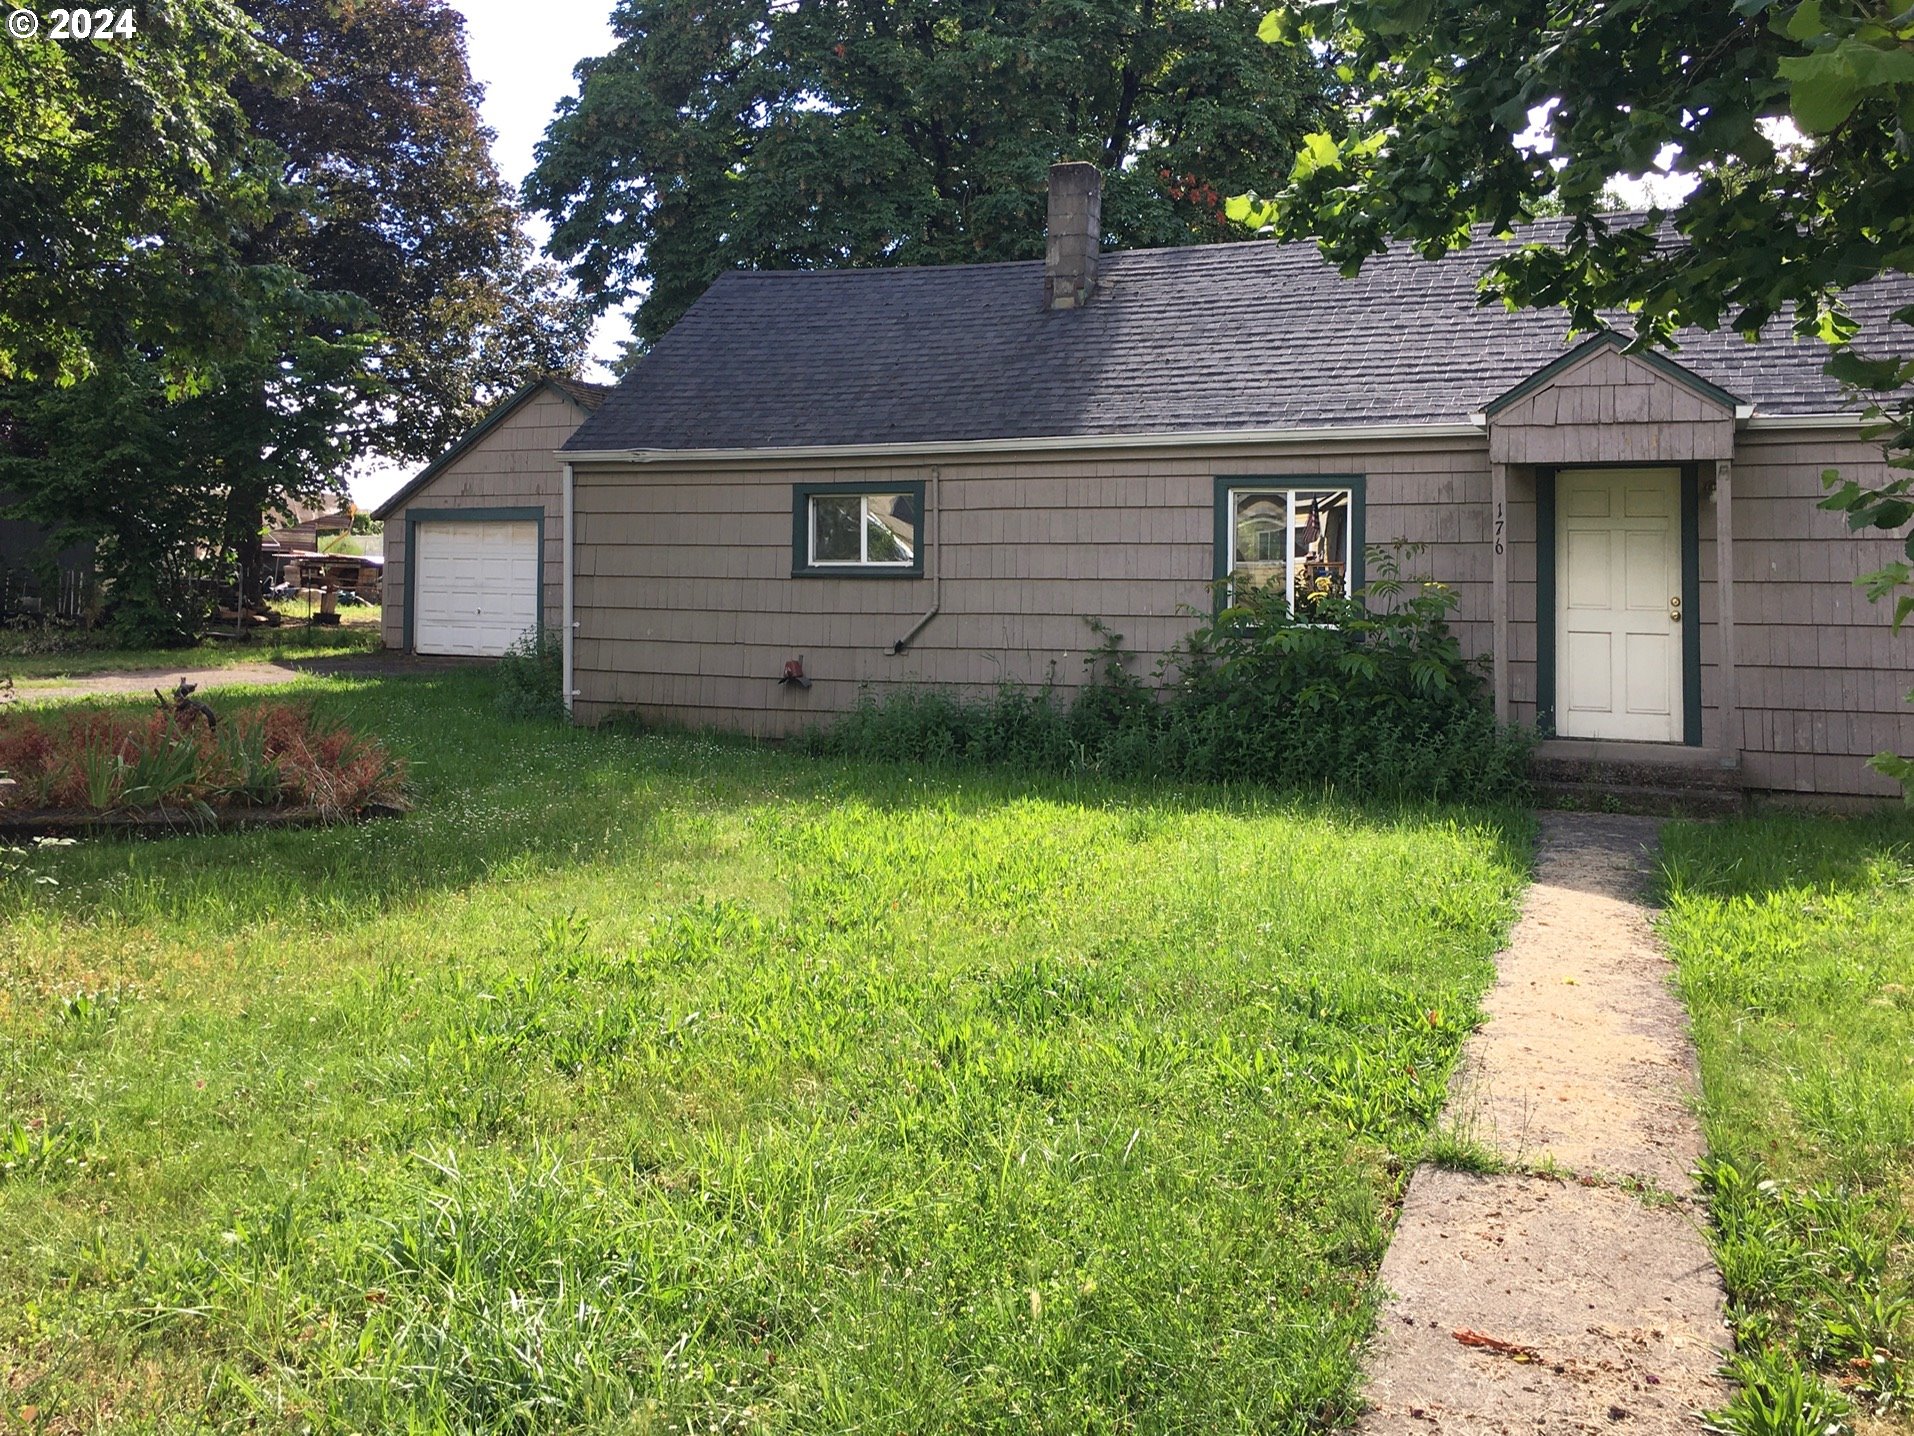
<point x="40" y="654"/>
<point x="1795" y="942"/>
<point x="661" y="1083"/>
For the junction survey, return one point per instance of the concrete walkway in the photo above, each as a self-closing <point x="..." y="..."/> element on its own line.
<point x="1578" y="1295"/>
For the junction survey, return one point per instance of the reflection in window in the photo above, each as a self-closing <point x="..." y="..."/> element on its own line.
<point x="868" y="529"/>
<point x="1296" y="540"/>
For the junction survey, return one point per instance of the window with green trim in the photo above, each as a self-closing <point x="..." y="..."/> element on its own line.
<point x="848" y="528"/>
<point x="1297" y="541"/>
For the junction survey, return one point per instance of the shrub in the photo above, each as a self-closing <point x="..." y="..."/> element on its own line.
<point x="275" y="755"/>
<point x="1012" y="726"/>
<point x="1368" y="694"/>
<point x="36" y="636"/>
<point x="531" y="678"/>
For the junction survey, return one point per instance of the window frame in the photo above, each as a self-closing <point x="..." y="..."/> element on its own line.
<point x="802" y="564"/>
<point x="1223" y="566"/>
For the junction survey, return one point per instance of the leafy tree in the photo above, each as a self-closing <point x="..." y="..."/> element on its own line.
<point x="324" y="261"/>
<point x="1791" y="119"/>
<point x="817" y="133"/>
<point x="123" y="168"/>
<point x="401" y="205"/>
<point x="149" y="477"/>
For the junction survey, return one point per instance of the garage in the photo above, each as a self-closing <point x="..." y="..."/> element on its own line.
<point x="473" y="556"/>
<point x="475" y="585"/>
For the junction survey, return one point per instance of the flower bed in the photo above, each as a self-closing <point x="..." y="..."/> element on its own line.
<point x="175" y="768"/>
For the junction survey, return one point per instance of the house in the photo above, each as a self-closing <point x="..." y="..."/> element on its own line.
<point x="472" y="560"/>
<point x="934" y="475"/>
<point x="309" y="528"/>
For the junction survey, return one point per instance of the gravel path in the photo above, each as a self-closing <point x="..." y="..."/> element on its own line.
<point x="1584" y="1299"/>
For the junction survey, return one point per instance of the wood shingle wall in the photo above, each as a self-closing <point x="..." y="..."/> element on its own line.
<point x="687" y="609"/>
<point x="1608" y="407"/>
<point x="1823" y="677"/>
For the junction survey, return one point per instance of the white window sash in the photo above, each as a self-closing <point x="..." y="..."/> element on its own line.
<point x="1290" y="559"/>
<point x="863" y="559"/>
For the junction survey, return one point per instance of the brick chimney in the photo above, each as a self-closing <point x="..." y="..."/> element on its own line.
<point x="1076" y="221"/>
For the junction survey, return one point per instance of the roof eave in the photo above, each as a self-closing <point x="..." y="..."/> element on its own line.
<point x="1745" y="417"/>
<point x="1187" y="438"/>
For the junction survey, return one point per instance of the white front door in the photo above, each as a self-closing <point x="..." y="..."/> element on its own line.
<point x="1618" y="614"/>
<point x="475" y="588"/>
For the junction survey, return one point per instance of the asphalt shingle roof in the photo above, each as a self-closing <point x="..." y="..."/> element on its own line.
<point x="586" y="395"/>
<point x="1217" y="337"/>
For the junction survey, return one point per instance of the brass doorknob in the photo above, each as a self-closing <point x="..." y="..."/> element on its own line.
<point x="1674" y="609"/>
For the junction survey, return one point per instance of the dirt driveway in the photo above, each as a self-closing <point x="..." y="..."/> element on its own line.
<point x="256" y="675"/>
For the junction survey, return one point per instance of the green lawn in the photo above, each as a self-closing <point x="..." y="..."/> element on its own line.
<point x="22" y="653"/>
<point x="660" y="1083"/>
<point x="1795" y="943"/>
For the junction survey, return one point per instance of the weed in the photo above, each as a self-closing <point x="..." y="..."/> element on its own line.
<point x="46" y="1152"/>
<point x="1364" y="695"/>
<point x="1457" y="1151"/>
<point x="531" y="678"/>
<point x="1776" y="1397"/>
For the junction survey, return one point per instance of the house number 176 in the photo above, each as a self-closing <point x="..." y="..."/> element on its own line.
<point x="1498" y="529"/>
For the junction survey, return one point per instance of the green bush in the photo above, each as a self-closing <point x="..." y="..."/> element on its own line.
<point x="531" y="678"/>
<point x="1368" y="694"/>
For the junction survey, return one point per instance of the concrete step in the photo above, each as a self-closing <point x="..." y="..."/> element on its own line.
<point x="1666" y="782"/>
<point x="1656" y="800"/>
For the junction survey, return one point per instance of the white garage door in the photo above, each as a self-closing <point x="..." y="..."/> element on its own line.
<point x="474" y="586"/>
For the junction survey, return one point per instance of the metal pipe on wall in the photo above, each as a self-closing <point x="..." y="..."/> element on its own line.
<point x="565" y="637"/>
<point x="936" y="562"/>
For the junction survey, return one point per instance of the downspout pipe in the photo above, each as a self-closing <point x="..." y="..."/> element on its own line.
<point x="566" y="637"/>
<point x="936" y="563"/>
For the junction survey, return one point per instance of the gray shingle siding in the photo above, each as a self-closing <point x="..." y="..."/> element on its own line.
<point x="1220" y="337"/>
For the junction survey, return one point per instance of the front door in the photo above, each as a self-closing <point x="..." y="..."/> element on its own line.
<point x="1618" y="618"/>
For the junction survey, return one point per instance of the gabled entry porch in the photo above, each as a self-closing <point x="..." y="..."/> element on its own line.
<point x="1612" y="489"/>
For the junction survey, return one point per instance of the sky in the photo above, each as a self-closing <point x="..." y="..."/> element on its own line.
<point x="523" y="55"/>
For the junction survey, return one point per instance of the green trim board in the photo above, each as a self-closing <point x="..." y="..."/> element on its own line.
<point x="1691" y="605"/>
<point x="801" y="565"/>
<point x="1545" y="602"/>
<point x="506" y="408"/>
<point x="1689" y="486"/>
<point x="495" y="515"/>
<point x="1608" y="338"/>
<point x="1225" y="484"/>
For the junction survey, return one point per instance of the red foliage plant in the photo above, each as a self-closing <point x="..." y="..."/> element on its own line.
<point x="270" y="756"/>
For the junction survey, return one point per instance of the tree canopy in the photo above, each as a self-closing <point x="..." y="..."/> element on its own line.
<point x="766" y="133"/>
<point x="400" y="204"/>
<point x="1442" y="134"/>
<point x="124" y="169"/>
<point x="237" y="250"/>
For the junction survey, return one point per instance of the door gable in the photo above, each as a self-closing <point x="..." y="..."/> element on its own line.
<point x="1599" y="404"/>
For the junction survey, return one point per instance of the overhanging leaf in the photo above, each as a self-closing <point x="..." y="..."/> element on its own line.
<point x="1823" y="89"/>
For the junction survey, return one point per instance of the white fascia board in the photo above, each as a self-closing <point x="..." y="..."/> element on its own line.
<point x="1804" y="421"/>
<point x="1100" y="443"/>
